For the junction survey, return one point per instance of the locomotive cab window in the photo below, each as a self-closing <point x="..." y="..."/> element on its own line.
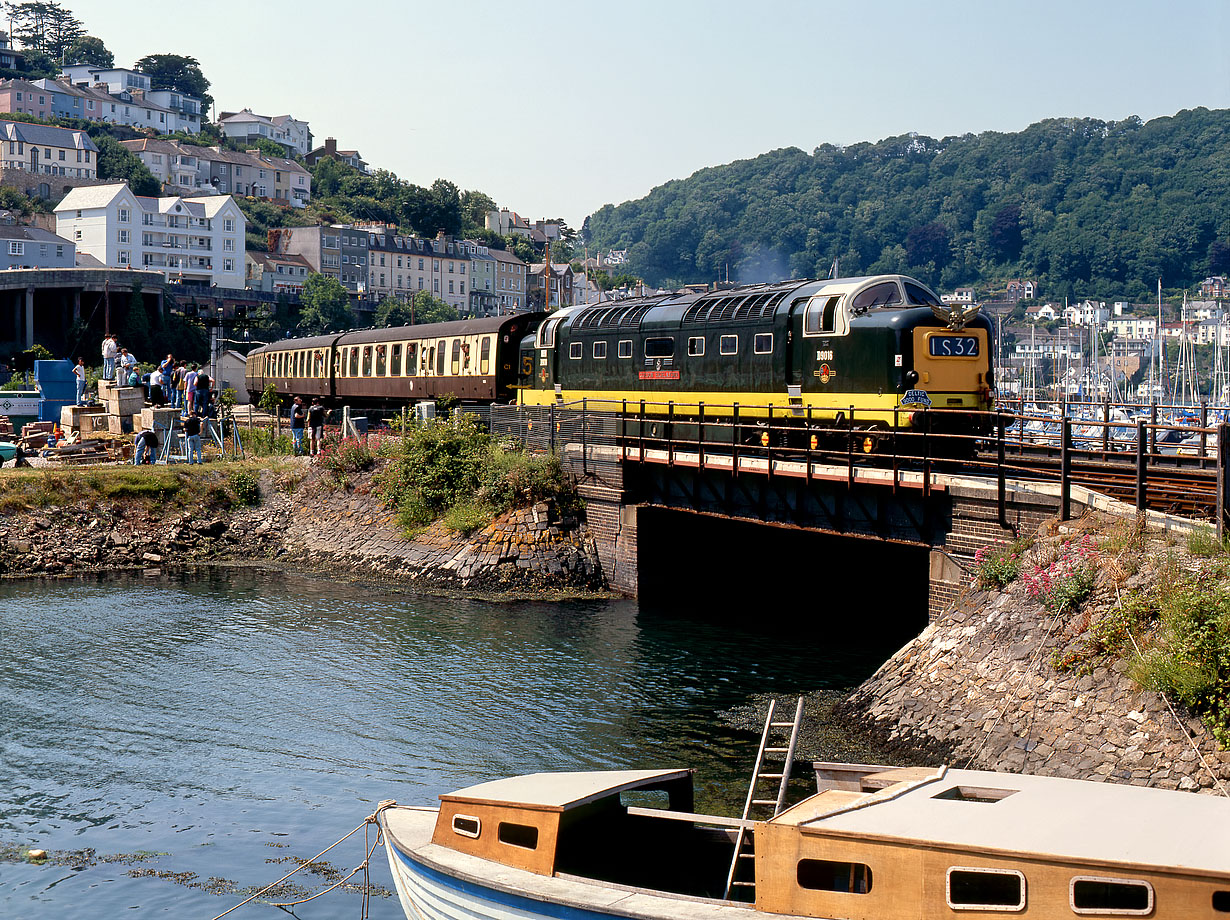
<point x="763" y="343"/>
<point x="884" y="294"/>
<point x="600" y="350"/>
<point x="728" y="345"/>
<point x="625" y="348"/>
<point x="659" y="347"/>
<point x="546" y="332"/>
<point x="574" y="350"/>
<point x="919" y="296"/>
<point x="823" y="316"/>
<point x="696" y="346"/>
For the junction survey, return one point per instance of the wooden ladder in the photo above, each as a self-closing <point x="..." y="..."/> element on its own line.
<point x="779" y="751"/>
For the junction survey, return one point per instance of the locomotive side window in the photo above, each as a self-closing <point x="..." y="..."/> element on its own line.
<point x="728" y="345"/>
<point x="484" y="356"/>
<point x="440" y="349"/>
<point x="821" y="315"/>
<point x="546" y="333"/>
<point x="574" y="350"/>
<point x="395" y="361"/>
<point x="625" y="348"/>
<point x="661" y="347"/>
<point x="600" y="350"/>
<point x="763" y="343"/>
<point x="412" y="359"/>
<point x="454" y="364"/>
<point x="696" y="346"/>
<point x="878" y="295"/>
<point x="382" y="364"/>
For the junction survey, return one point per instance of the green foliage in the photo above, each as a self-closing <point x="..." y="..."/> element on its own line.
<point x="423" y="307"/>
<point x="245" y="486"/>
<point x="474" y="208"/>
<point x="177" y="72"/>
<point x="1188" y="654"/>
<point x="135" y="332"/>
<point x="45" y="26"/>
<point x="344" y="457"/>
<point x="1067" y="579"/>
<point x="265" y="145"/>
<point x="115" y="161"/>
<point x="270" y="401"/>
<point x="467" y="517"/>
<point x="1082" y="205"/>
<point x="1204" y="542"/>
<point x="262" y="442"/>
<point x="325" y="305"/>
<point x="998" y="564"/>
<point x="89" y="50"/>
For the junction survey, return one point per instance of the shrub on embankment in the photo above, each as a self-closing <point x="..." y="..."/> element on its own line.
<point x="451" y="470"/>
<point x="1133" y="596"/>
<point x="212" y="487"/>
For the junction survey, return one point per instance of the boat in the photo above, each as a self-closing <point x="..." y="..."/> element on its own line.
<point x="873" y="843"/>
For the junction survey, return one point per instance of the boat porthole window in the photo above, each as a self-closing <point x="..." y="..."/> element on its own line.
<point x="827" y="875"/>
<point x="1121" y="897"/>
<point x="1221" y="902"/>
<point x="971" y="888"/>
<point x="467" y="826"/>
<point x="518" y="835"/>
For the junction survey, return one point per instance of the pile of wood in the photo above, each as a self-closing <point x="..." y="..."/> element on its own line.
<point x="93" y="450"/>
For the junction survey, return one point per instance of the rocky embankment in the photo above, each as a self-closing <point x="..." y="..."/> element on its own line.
<point x="1001" y="682"/>
<point x="304" y="522"/>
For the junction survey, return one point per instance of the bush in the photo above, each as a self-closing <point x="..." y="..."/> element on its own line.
<point x="1068" y="579"/>
<point x="344" y="457"/>
<point x="998" y="564"/>
<point x="245" y="487"/>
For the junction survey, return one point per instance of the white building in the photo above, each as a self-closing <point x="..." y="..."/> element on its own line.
<point x="193" y="240"/>
<point x="1086" y="313"/>
<point x="1133" y="327"/>
<point x="133" y="101"/>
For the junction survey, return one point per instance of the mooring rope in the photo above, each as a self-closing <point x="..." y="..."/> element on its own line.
<point x="369" y="820"/>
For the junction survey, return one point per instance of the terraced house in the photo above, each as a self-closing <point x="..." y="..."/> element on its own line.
<point x="48" y="151"/>
<point x="185" y="167"/>
<point x="401" y="266"/>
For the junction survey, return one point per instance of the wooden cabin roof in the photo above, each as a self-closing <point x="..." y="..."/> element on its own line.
<point x="1069" y="819"/>
<point x="562" y="791"/>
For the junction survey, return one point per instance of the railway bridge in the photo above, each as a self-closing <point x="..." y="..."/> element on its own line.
<point x="680" y="502"/>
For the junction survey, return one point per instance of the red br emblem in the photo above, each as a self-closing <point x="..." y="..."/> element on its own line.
<point x="825" y="373"/>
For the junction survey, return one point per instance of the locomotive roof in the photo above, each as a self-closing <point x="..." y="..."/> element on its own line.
<point x="747" y="303"/>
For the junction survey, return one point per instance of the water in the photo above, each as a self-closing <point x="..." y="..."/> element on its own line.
<point x="226" y="721"/>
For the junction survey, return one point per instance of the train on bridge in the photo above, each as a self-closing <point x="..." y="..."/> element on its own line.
<point x="875" y="353"/>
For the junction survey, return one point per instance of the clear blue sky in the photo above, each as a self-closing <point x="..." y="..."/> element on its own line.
<point x="555" y="109"/>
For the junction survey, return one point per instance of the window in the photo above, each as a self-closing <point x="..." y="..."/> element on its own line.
<point x="1221" y="902"/>
<point x="484" y="356"/>
<point x="763" y="343"/>
<point x="1117" y="896"/>
<point x="467" y="826"/>
<point x="440" y="357"/>
<point x="574" y="350"/>
<point x="985" y="889"/>
<point x="228" y="265"/>
<point x="382" y="368"/>
<point x="455" y="361"/>
<point x="16" y="248"/>
<point x="728" y="345"/>
<point x="518" y="835"/>
<point x="878" y="295"/>
<point x="600" y="349"/>
<point x="660" y="347"/>
<point x="825" y="875"/>
<point x="696" y="346"/>
<point x="125" y="257"/>
<point x="123" y="215"/>
<point x="354" y="361"/>
<point x="412" y="358"/>
<point x="229" y="225"/>
<point x="123" y="236"/>
<point x="625" y="348"/>
<point x="821" y="315"/>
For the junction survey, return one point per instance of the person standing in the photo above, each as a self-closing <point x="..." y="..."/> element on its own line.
<point x="156" y="396"/>
<point x="109" y="352"/>
<point x="298" y="418"/>
<point x="190" y="388"/>
<point x="79" y="373"/>
<point x="192" y="432"/>
<point x="316" y="426"/>
<point x="200" y="394"/>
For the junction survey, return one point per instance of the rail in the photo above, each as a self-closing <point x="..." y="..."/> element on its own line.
<point x="1148" y="460"/>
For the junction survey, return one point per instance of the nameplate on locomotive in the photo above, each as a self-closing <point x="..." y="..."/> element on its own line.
<point x="659" y="375"/>
<point x="915" y="398"/>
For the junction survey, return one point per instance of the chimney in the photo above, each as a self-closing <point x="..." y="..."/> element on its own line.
<point x="331" y="146"/>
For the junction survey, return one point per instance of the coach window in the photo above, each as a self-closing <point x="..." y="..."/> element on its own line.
<point x="412" y="359"/>
<point x="440" y="354"/>
<point x="395" y="361"/>
<point x="465" y="357"/>
<point x="625" y="348"/>
<point x="354" y="361"/>
<point x="574" y="350"/>
<point x="763" y="343"/>
<point x="429" y="359"/>
<point x="367" y="360"/>
<point x="728" y="345"/>
<point x="318" y="363"/>
<point x="696" y="346"/>
<point x="600" y="350"/>
<point x="455" y="363"/>
<point x="382" y="365"/>
<point x="484" y="356"/>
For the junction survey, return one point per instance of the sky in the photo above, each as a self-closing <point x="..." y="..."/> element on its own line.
<point x="557" y="109"/>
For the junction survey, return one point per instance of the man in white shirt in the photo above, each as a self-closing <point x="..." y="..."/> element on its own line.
<point x="109" y="352"/>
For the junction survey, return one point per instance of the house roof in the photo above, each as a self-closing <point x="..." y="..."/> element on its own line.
<point x="45" y="135"/>
<point x="152" y="145"/>
<point x="91" y="196"/>
<point x="273" y="259"/>
<point x="35" y="234"/>
<point x="503" y="255"/>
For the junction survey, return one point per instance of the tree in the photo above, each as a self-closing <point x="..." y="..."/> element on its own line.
<point x="325" y="305"/>
<point x="1219" y="258"/>
<point x="179" y="73"/>
<point x="431" y="309"/>
<point x="394" y="312"/>
<point x="474" y="208"/>
<point x="115" y="161"/>
<point x="44" y="25"/>
<point x="89" y="50"/>
<point x="134" y="334"/>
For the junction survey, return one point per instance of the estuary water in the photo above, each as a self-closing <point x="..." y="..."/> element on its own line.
<point x="176" y="743"/>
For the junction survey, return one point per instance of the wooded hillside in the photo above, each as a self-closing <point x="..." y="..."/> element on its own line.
<point x="1086" y="207"/>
